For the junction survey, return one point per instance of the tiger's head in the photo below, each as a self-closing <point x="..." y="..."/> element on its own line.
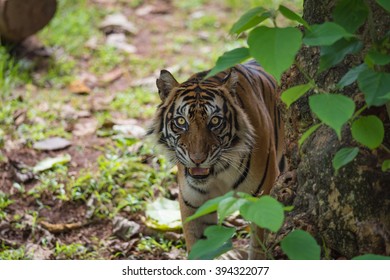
<point x="201" y="123"/>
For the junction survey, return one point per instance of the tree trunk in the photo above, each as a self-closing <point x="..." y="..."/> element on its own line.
<point x="22" y="18"/>
<point x="349" y="212"/>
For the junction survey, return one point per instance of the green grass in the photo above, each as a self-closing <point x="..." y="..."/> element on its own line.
<point x="157" y="244"/>
<point x="13" y="254"/>
<point x="73" y="251"/>
<point x="81" y="21"/>
<point x="12" y="74"/>
<point x="137" y="102"/>
<point x="5" y="201"/>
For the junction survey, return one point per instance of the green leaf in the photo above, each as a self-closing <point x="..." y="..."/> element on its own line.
<point x="163" y="214"/>
<point x="375" y="86"/>
<point x="268" y="46"/>
<point x="386" y="165"/>
<point x="247" y="196"/>
<point x="350" y="14"/>
<point x="385" y="4"/>
<point x="228" y="206"/>
<point x="229" y="59"/>
<point x="266" y="212"/>
<point x="50" y="162"/>
<point x="308" y="133"/>
<point x="325" y="34"/>
<point x="292" y="94"/>
<point x="332" y="109"/>
<point x="300" y="245"/>
<point x="288" y="208"/>
<point x="344" y="156"/>
<point x="335" y="53"/>
<point x="287" y="13"/>
<point x="209" y="206"/>
<point x="217" y="242"/>
<point x="368" y="131"/>
<point x="371" y="257"/>
<point x="375" y="57"/>
<point x="352" y="75"/>
<point x="250" y="19"/>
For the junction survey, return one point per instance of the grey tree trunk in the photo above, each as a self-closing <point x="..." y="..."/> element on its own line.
<point x="349" y="212"/>
<point x="22" y="18"/>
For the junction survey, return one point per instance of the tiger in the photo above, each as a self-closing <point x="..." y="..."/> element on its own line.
<point x="224" y="133"/>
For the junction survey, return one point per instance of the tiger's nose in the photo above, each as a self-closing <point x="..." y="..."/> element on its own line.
<point x="198" y="158"/>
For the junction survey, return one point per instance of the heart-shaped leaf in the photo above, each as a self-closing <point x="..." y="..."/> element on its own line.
<point x="266" y="212"/>
<point x="350" y="14"/>
<point x="300" y="245"/>
<point x="216" y="243"/>
<point x="368" y="131"/>
<point x="268" y="46"/>
<point x="332" y="109"/>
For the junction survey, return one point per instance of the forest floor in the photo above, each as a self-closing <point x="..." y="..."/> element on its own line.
<point x="90" y="81"/>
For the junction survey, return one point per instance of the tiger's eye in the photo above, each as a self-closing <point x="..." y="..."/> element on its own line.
<point x="215" y="121"/>
<point x="181" y="121"/>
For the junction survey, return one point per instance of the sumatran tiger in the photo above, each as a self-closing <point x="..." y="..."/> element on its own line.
<point x="224" y="133"/>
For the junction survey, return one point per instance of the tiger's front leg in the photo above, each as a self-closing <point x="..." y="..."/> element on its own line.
<point x="194" y="230"/>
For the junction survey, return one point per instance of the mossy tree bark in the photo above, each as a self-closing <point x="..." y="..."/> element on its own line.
<point x="348" y="212"/>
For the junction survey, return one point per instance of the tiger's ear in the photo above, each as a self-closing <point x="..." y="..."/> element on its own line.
<point x="165" y="83"/>
<point x="230" y="80"/>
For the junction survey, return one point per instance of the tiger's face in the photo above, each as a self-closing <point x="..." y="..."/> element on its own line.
<point x="201" y="125"/>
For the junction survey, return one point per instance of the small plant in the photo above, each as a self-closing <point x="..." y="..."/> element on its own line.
<point x="13" y="254"/>
<point x="5" y="201"/>
<point x="73" y="251"/>
<point x="159" y="243"/>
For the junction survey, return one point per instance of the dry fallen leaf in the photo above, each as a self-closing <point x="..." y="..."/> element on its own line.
<point x="101" y="101"/>
<point x="50" y="162"/>
<point x="112" y="76"/>
<point x="52" y="144"/>
<point x="118" y="40"/>
<point x="163" y="214"/>
<point x="79" y="87"/>
<point x="125" y="229"/>
<point x="85" y="126"/>
<point x="130" y="130"/>
<point x="19" y="116"/>
<point x="117" y="23"/>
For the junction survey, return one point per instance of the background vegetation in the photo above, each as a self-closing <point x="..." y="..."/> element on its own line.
<point x="90" y="200"/>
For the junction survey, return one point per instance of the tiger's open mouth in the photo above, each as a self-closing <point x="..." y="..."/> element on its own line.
<point x="198" y="173"/>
